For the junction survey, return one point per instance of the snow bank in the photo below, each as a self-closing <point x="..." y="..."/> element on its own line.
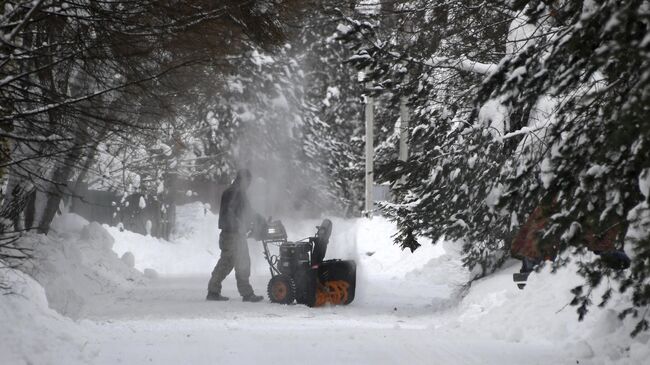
<point x="32" y="333"/>
<point x="72" y="264"/>
<point x="76" y="261"/>
<point x="194" y="248"/>
<point x="495" y="308"/>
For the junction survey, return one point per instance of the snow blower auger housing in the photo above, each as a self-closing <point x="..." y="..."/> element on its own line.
<point x="299" y="273"/>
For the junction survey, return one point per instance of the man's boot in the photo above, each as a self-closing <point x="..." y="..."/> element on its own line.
<point x="216" y="296"/>
<point x="252" y="298"/>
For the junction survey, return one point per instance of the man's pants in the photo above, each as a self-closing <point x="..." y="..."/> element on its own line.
<point x="234" y="253"/>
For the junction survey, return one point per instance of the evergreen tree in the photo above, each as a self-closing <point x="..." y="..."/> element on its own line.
<point x="523" y="105"/>
<point x="331" y="141"/>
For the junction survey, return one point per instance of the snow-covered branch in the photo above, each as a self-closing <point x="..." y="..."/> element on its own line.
<point x="23" y="22"/>
<point x="462" y="64"/>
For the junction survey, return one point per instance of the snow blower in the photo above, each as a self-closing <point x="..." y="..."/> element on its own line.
<point x="299" y="273"/>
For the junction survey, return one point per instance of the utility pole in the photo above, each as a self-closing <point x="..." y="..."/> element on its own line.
<point x="405" y="118"/>
<point x="370" y="150"/>
<point x="403" y="129"/>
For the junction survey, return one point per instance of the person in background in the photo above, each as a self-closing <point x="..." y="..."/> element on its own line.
<point x="235" y="216"/>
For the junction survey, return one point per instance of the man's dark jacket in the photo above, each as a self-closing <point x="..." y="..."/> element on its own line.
<point x="235" y="210"/>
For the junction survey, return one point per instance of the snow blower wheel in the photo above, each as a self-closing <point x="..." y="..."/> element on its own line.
<point x="282" y="289"/>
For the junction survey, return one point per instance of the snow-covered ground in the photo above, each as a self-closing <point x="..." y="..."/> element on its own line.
<point x="408" y="307"/>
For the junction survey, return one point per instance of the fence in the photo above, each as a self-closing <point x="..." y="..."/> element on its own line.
<point x="139" y="213"/>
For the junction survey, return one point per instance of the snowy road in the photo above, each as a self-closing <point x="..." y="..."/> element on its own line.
<point x="169" y="322"/>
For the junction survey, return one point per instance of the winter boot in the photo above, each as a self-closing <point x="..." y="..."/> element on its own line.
<point x="216" y="297"/>
<point x="527" y="267"/>
<point x="252" y="298"/>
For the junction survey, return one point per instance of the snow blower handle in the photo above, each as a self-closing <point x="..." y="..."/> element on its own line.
<point x="320" y="242"/>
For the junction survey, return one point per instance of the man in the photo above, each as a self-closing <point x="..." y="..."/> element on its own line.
<point x="235" y="215"/>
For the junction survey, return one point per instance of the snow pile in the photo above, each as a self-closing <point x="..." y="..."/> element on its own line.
<point x="194" y="248"/>
<point x="31" y="332"/>
<point x="76" y="261"/>
<point x="71" y="265"/>
<point x="495" y="308"/>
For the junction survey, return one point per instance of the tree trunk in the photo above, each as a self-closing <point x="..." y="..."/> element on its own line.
<point x="57" y="188"/>
<point x="30" y="210"/>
